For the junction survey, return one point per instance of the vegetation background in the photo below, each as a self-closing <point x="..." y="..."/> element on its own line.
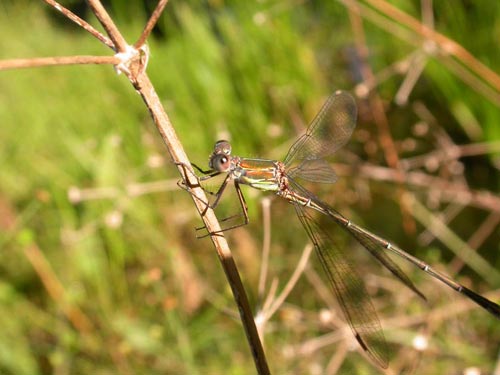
<point x="100" y="269"/>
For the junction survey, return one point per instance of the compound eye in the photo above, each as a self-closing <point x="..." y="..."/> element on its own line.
<point x="220" y="163"/>
<point x="222" y="147"/>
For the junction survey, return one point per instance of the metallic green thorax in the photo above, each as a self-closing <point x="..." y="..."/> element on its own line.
<point x="258" y="173"/>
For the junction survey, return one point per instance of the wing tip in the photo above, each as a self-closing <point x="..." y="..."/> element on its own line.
<point x="380" y="357"/>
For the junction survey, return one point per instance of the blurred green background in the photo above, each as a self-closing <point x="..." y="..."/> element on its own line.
<point x="100" y="268"/>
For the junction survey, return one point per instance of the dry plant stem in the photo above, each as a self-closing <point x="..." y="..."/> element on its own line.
<point x="419" y="60"/>
<point x="398" y="67"/>
<point x="454" y="152"/>
<point x="413" y="74"/>
<point x="108" y="24"/>
<point x="137" y="189"/>
<point x="57" y="60"/>
<point x="147" y="92"/>
<point x="337" y="359"/>
<point x="301" y="265"/>
<point x="427" y="13"/>
<point x="310" y="346"/>
<point x="272" y="304"/>
<point x="80" y="22"/>
<point x="77" y="194"/>
<point x="271" y="296"/>
<point x="151" y="23"/>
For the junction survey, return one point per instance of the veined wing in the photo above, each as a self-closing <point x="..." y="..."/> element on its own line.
<point x="374" y="247"/>
<point x="348" y="288"/>
<point x="315" y="170"/>
<point x="331" y="129"/>
<point x="378" y="247"/>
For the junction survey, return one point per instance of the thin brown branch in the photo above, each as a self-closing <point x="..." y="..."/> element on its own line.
<point x="413" y="74"/>
<point x="179" y="157"/>
<point x="108" y="24"/>
<point x="454" y="152"/>
<point x="299" y="269"/>
<point x="337" y="359"/>
<point x="57" y="60"/>
<point x="80" y="22"/>
<point x="151" y="23"/>
<point x="402" y="66"/>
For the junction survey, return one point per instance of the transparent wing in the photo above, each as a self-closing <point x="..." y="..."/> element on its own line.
<point x="375" y="247"/>
<point x="349" y="290"/>
<point x="315" y="170"/>
<point x="330" y="130"/>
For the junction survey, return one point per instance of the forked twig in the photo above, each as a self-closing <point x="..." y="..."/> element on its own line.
<point x="151" y="23"/>
<point x="301" y="265"/>
<point x="108" y="24"/>
<point x="273" y="303"/>
<point x="80" y="22"/>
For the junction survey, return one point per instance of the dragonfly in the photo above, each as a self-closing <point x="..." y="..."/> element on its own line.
<point x="306" y="161"/>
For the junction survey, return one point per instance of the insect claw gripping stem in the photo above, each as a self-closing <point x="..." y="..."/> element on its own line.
<point x="185" y="182"/>
<point x="220" y="232"/>
<point x="186" y="185"/>
<point x="202" y="171"/>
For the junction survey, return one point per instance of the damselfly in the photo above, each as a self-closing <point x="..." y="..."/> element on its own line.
<point x="305" y="160"/>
